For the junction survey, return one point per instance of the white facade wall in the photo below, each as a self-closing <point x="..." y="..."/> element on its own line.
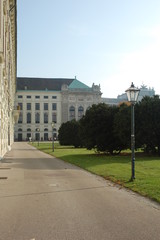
<point x="44" y="128"/>
<point x="7" y="73"/>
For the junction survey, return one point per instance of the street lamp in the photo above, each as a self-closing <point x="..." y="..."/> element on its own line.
<point x="38" y="130"/>
<point x="132" y="94"/>
<point x="53" y="136"/>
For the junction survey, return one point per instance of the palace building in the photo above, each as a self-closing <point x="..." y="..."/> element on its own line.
<point x="8" y="58"/>
<point x="44" y="101"/>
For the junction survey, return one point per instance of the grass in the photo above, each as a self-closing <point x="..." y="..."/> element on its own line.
<point x="115" y="168"/>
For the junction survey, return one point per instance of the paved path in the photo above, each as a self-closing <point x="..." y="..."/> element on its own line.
<point x="43" y="198"/>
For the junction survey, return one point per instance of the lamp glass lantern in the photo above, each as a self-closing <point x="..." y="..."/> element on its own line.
<point x="52" y="124"/>
<point x="132" y="93"/>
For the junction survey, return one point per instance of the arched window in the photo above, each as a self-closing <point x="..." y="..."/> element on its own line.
<point x="19" y="129"/>
<point x="72" y="112"/>
<point x="37" y="117"/>
<point x="80" y="112"/>
<point x="28" y="130"/>
<point x="28" y="117"/>
<point x="46" y="130"/>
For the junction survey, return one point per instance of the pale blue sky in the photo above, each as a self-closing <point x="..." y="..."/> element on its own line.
<point x="106" y="42"/>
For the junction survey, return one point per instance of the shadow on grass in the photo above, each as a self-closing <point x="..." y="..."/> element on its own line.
<point x="98" y="159"/>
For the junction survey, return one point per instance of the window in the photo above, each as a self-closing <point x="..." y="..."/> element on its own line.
<point x="45" y="106"/>
<point x="19" y="129"/>
<point x="72" y="112"/>
<point x="45" y="117"/>
<point x="45" y="97"/>
<point x="37" y="106"/>
<point x="54" y="97"/>
<point x="21" y="106"/>
<point x="37" y="118"/>
<point x="20" y="120"/>
<point x="54" y="117"/>
<point x="28" y="106"/>
<point x="37" y="97"/>
<point x="46" y="130"/>
<point x="80" y="112"/>
<point x="28" y="130"/>
<point x="28" y="96"/>
<point x="54" y="106"/>
<point x="20" y="96"/>
<point x="28" y="117"/>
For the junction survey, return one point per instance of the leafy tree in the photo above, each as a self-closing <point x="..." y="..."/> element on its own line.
<point x="122" y="126"/>
<point x="108" y="129"/>
<point x="69" y="134"/>
<point x="148" y="117"/>
<point x="97" y="128"/>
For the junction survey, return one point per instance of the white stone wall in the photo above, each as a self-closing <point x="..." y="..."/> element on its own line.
<point x="33" y="125"/>
<point x="7" y="73"/>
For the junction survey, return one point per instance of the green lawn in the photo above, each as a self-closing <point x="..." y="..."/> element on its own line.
<point x="115" y="168"/>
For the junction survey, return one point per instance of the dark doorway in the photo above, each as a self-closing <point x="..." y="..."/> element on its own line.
<point x="45" y="136"/>
<point x="37" y="136"/>
<point x="19" y="136"/>
<point x="28" y="136"/>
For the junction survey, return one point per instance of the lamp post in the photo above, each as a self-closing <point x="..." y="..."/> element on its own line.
<point x="53" y="136"/>
<point x="132" y="94"/>
<point x="38" y="130"/>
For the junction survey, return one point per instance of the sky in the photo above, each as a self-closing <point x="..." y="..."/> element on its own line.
<point x="106" y="42"/>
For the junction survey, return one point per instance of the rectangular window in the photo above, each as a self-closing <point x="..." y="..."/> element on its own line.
<point x="54" y="106"/>
<point x="37" y="106"/>
<point x="37" y="96"/>
<point x="54" y="97"/>
<point x="28" y="96"/>
<point x="45" y="117"/>
<point x="46" y="97"/>
<point x="20" y="120"/>
<point x="28" y="106"/>
<point x="54" y="117"/>
<point x="20" y="96"/>
<point x="20" y="105"/>
<point x="45" y="106"/>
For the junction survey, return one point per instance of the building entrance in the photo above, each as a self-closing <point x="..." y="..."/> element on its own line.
<point x="19" y="137"/>
<point x="45" y="136"/>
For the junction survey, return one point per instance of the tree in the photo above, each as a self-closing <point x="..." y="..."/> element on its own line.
<point x="122" y="126"/>
<point x="148" y="117"/>
<point x="69" y="134"/>
<point x="97" y="128"/>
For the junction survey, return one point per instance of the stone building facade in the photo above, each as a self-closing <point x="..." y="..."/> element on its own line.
<point x="8" y="42"/>
<point x="44" y="101"/>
